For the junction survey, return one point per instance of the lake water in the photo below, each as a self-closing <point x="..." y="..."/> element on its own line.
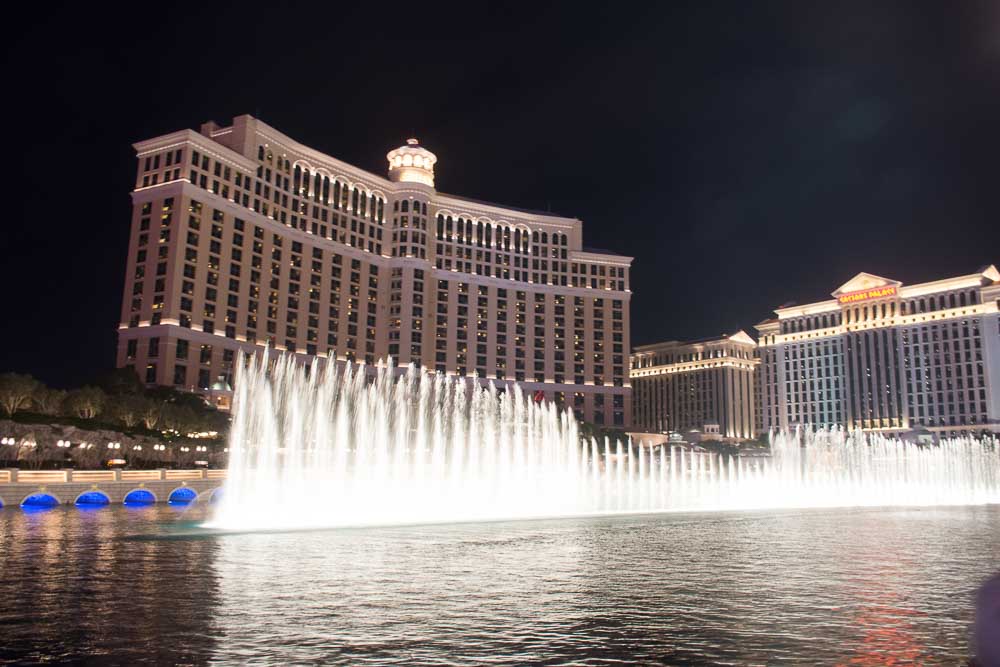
<point x="862" y="586"/>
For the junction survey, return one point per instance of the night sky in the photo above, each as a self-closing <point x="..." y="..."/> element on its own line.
<point x="746" y="154"/>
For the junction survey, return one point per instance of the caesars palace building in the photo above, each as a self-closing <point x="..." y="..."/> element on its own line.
<point x="877" y="356"/>
<point x="883" y="356"/>
<point x="242" y="237"/>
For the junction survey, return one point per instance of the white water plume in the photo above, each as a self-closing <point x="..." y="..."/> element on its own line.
<point x="342" y="446"/>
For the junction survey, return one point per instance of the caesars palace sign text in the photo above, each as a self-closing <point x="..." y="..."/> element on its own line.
<point x="864" y="295"/>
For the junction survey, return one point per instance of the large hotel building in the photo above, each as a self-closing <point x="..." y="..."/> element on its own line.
<point x="883" y="356"/>
<point x="877" y="356"/>
<point x="242" y="237"/>
<point x="683" y="386"/>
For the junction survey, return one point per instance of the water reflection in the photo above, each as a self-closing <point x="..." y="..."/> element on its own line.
<point x="72" y="587"/>
<point x="851" y="587"/>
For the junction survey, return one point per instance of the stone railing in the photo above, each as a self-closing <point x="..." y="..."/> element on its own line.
<point x="15" y="476"/>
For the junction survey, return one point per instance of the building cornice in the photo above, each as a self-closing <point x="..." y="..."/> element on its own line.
<point x="739" y="338"/>
<point x="902" y="292"/>
<point x="510" y="283"/>
<point x="598" y="258"/>
<point x="204" y="144"/>
<point x="691" y="366"/>
<point x="466" y="208"/>
<point x="327" y="165"/>
<point x="987" y="308"/>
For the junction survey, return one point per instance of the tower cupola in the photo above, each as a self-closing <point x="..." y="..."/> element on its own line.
<point x="411" y="163"/>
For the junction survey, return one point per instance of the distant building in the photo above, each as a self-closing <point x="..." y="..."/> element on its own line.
<point x="243" y="237"/>
<point x="706" y="385"/>
<point x="883" y="356"/>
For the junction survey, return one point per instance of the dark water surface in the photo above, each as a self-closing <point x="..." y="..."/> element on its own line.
<point x="797" y="587"/>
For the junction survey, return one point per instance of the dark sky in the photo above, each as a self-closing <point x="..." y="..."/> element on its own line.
<point x="746" y="154"/>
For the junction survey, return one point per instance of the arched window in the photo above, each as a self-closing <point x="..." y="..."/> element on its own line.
<point x="336" y="194"/>
<point x="355" y="195"/>
<point x="326" y="190"/>
<point x="405" y="208"/>
<point x="305" y="182"/>
<point x="317" y="187"/>
<point x="297" y="179"/>
<point x="260" y="152"/>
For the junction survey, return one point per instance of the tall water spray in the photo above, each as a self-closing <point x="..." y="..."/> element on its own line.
<point x="340" y="446"/>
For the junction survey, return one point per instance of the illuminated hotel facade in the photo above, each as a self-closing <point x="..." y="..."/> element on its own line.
<point x="242" y="237"/>
<point x="682" y="386"/>
<point x="883" y="356"/>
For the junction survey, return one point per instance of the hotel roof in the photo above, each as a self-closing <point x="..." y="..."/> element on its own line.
<point x="737" y="337"/>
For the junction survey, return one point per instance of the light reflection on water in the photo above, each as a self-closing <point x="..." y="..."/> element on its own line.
<point x="819" y="587"/>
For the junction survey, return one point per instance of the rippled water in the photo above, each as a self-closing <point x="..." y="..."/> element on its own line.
<point x="806" y="587"/>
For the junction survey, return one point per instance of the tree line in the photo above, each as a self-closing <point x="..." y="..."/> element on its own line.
<point x="118" y="401"/>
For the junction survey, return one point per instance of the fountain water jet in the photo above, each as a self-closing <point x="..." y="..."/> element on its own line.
<point x="325" y="447"/>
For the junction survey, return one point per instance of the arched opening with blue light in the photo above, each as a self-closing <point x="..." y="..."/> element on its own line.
<point x="182" y="496"/>
<point x="40" y="500"/>
<point x="92" y="499"/>
<point x="139" y="497"/>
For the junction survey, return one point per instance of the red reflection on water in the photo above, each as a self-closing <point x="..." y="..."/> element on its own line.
<point x="889" y="638"/>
